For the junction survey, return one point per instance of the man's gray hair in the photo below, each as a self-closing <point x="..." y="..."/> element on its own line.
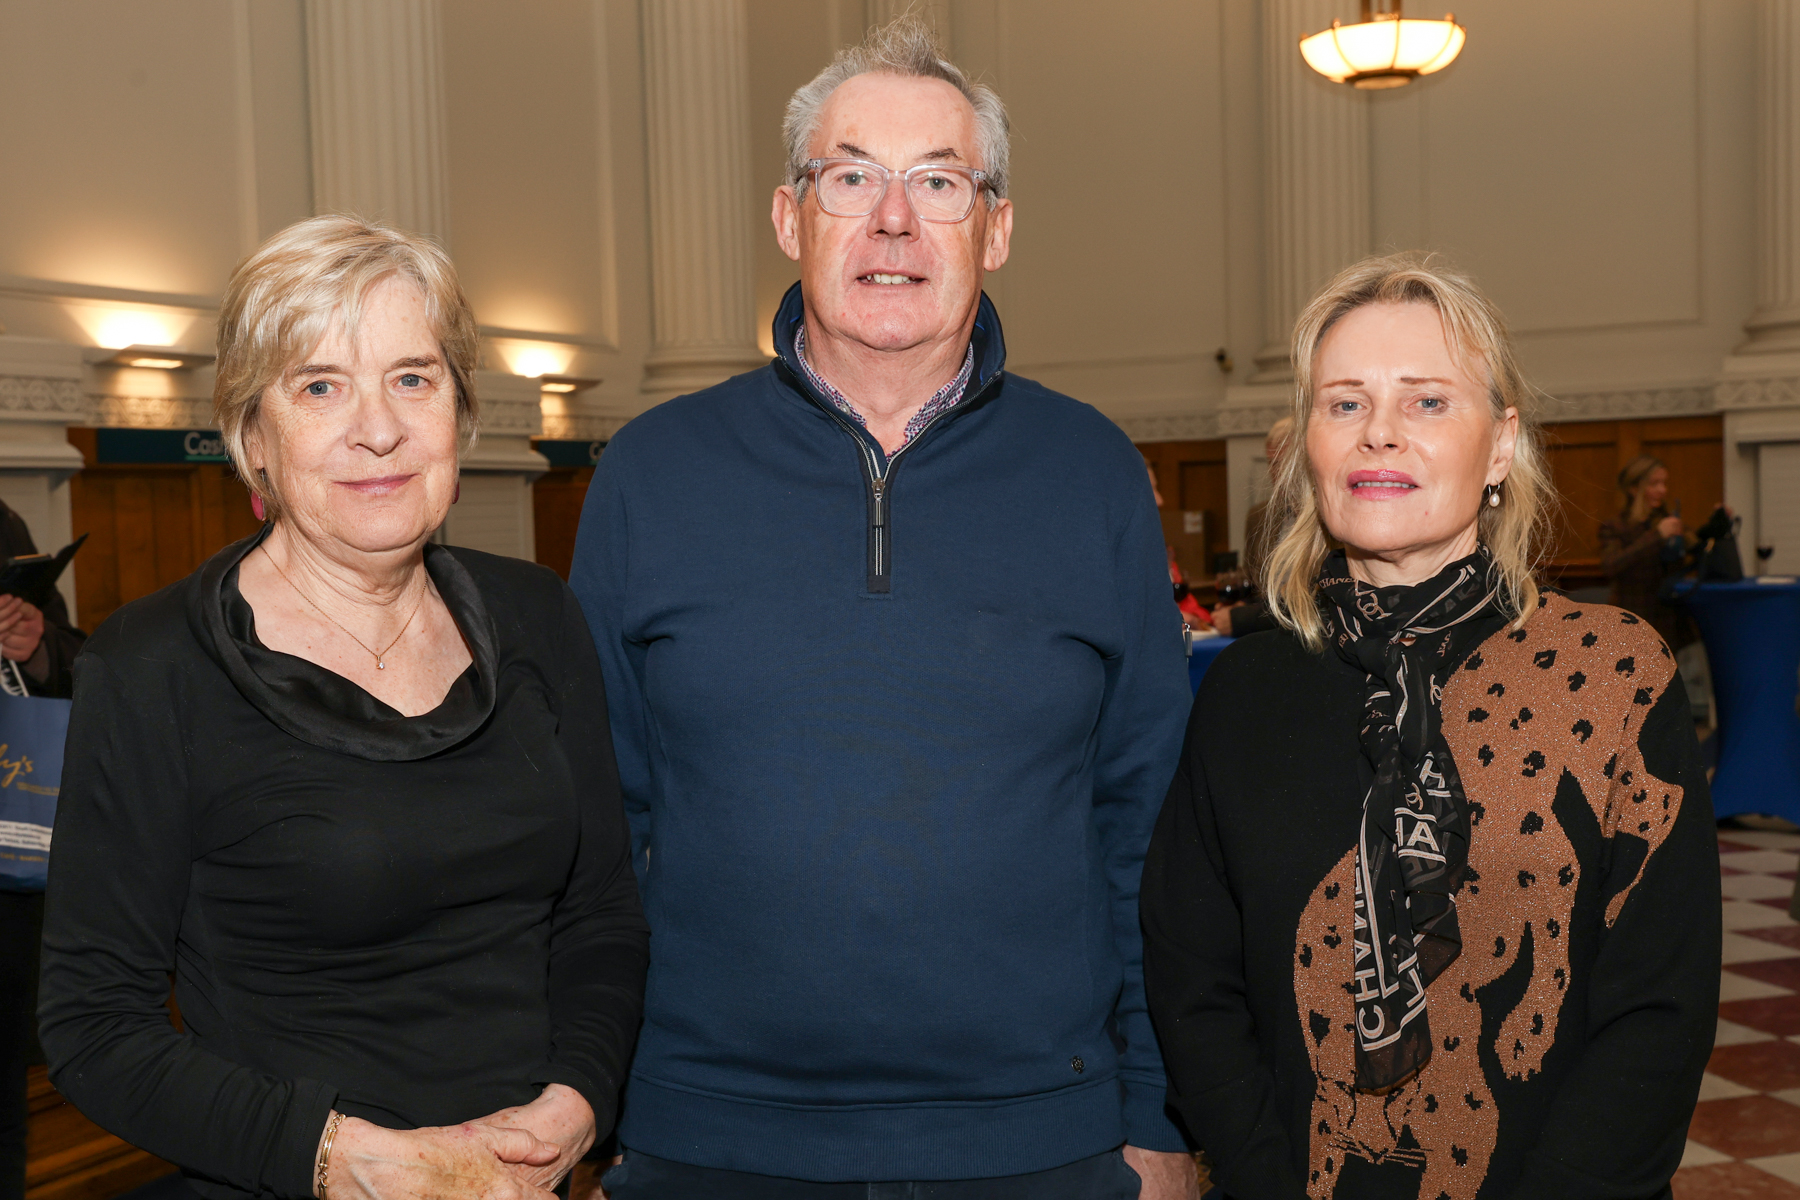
<point x="904" y="46"/>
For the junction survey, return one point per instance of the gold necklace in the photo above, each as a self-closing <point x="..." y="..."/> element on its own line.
<point x="380" y="656"/>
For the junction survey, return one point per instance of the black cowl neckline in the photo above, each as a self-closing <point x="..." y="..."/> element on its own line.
<point x="321" y="707"/>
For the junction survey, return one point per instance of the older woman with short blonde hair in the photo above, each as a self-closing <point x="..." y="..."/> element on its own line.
<point x="1432" y="908"/>
<point x="352" y="788"/>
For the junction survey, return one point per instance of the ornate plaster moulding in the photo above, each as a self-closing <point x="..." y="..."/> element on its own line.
<point x="35" y="398"/>
<point x="1169" y="427"/>
<point x="1690" y="400"/>
<point x="1782" y="391"/>
<point x="153" y="412"/>
<point x="582" y="426"/>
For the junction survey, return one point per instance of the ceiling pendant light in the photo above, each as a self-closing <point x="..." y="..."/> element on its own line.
<point x="1384" y="49"/>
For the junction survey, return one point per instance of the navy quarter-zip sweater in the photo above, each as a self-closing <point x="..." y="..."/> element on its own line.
<point x="892" y="735"/>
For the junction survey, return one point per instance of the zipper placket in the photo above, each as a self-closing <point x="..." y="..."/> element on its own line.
<point x="881" y="482"/>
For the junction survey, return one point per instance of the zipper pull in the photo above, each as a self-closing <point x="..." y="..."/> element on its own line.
<point x="879" y="487"/>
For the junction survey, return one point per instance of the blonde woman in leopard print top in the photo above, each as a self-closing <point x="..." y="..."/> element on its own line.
<point x="1432" y="911"/>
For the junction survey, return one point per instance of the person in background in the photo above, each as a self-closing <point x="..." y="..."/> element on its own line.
<point x="40" y="645"/>
<point x="890" y="837"/>
<point x="1644" y="547"/>
<point x="346" y="785"/>
<point x="1262" y="529"/>
<point x="1433" y="907"/>
<point x="1192" y="611"/>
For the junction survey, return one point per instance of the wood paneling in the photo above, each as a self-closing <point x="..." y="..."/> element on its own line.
<point x="68" y="1157"/>
<point x="1192" y="478"/>
<point x="148" y="526"/>
<point x="1585" y="460"/>
<point x="556" y="499"/>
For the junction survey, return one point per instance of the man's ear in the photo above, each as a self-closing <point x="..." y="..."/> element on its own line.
<point x="786" y="217"/>
<point x="999" y="236"/>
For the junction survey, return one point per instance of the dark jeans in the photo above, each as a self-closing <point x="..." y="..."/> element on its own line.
<point x="641" y="1177"/>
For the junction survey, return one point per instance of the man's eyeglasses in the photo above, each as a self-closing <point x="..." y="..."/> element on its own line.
<point x="853" y="187"/>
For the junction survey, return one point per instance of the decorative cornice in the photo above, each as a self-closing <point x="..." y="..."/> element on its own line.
<point x="34" y="398"/>
<point x="1768" y="392"/>
<point x="1170" y="427"/>
<point x="154" y="412"/>
<point x="582" y="426"/>
<point x="504" y="417"/>
<point x="1630" y="402"/>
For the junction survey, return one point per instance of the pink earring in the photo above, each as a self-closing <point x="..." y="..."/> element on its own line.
<point x="256" y="505"/>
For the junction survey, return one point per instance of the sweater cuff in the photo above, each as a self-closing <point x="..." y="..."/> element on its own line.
<point x="1149" y="1124"/>
<point x="296" y="1150"/>
<point x="601" y="1096"/>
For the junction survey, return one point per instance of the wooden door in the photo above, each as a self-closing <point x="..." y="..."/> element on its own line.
<point x="556" y="499"/>
<point x="1196" y="501"/>
<point x="148" y="525"/>
<point x="1585" y="459"/>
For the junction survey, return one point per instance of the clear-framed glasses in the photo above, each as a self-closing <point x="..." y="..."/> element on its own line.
<point x="854" y="187"/>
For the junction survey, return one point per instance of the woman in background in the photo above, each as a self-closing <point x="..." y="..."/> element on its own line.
<point x="353" y="788"/>
<point x="1644" y="547"/>
<point x="1432" y="909"/>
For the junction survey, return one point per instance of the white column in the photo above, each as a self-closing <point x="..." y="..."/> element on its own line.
<point x="1759" y="383"/>
<point x="1775" y="326"/>
<point x="702" y="204"/>
<point x="376" y="76"/>
<point x="1316" y="175"/>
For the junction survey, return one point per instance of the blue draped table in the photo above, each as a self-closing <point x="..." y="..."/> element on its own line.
<point x="1752" y="635"/>
<point x="1205" y="650"/>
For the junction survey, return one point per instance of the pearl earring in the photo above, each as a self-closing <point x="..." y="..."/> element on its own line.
<point x="1493" y="492"/>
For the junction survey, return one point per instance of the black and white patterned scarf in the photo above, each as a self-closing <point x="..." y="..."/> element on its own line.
<point x="1414" y="845"/>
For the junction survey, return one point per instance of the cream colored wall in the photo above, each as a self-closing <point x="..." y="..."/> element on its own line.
<point x="1604" y="198"/>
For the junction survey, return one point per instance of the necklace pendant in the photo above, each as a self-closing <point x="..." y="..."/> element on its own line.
<point x="380" y="666"/>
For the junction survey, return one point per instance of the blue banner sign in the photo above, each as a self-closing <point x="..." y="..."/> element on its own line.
<point x="159" y="446"/>
<point x="573" y="452"/>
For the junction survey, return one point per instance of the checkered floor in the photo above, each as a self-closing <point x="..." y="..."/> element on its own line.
<point x="1744" y="1142"/>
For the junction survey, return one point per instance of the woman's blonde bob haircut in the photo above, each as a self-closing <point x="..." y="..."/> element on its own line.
<point x="1478" y="338"/>
<point x="280" y="304"/>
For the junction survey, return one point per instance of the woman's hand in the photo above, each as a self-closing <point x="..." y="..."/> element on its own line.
<point x="1669" y="527"/>
<point x="471" y="1161"/>
<point x="21" y="629"/>
<point x="560" y="1117"/>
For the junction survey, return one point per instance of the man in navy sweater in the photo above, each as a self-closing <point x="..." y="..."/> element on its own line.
<point x="896" y="688"/>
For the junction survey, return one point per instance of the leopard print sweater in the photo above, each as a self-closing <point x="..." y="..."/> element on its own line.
<point x="1575" y="795"/>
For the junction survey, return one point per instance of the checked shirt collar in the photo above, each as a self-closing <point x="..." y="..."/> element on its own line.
<point x="941" y="400"/>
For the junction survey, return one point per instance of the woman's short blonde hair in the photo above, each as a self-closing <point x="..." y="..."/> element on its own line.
<point x="282" y="299"/>
<point x="1477" y="334"/>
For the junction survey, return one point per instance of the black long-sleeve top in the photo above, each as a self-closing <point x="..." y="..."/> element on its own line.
<point x="1570" y="1034"/>
<point x="416" y="920"/>
<point x="62" y="641"/>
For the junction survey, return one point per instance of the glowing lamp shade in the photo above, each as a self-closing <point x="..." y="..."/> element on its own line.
<point x="1384" y="50"/>
<point x="539" y="360"/>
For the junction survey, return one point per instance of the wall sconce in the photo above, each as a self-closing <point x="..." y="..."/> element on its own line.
<point x="563" y="385"/>
<point x="1384" y="49"/>
<point x="156" y="358"/>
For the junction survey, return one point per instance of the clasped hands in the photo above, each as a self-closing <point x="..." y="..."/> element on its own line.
<point x="515" y="1154"/>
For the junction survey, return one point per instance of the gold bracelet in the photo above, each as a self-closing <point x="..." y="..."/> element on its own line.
<point x="322" y="1168"/>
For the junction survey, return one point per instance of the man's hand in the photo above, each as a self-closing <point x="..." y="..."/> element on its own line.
<point x="1221" y="618"/>
<point x="21" y="629"/>
<point x="1167" y="1175"/>
<point x="560" y="1117"/>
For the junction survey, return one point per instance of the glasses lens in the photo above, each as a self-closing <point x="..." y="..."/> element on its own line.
<point x="850" y="189"/>
<point x="939" y="195"/>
